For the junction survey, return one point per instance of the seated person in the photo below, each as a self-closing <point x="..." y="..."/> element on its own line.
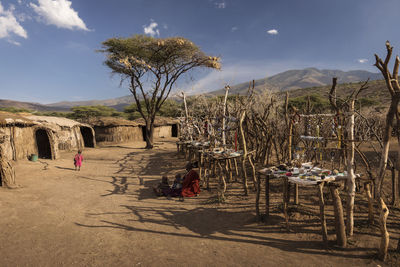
<point x="176" y="188"/>
<point x="162" y="188"/>
<point x="190" y="185"/>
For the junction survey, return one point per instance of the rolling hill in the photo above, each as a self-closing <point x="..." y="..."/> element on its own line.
<point x="4" y="103"/>
<point x="298" y="82"/>
<point x="305" y="78"/>
<point x="117" y="103"/>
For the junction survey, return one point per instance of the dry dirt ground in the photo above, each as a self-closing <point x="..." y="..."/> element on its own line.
<point x="102" y="216"/>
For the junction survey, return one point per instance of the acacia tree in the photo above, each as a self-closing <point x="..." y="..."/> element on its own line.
<point x="152" y="67"/>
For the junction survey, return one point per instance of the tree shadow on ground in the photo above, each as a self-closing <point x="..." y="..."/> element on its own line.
<point x="214" y="224"/>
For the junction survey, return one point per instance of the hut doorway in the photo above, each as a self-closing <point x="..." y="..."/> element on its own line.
<point x="43" y="144"/>
<point x="1" y="179"/>
<point x="144" y="132"/>
<point x="174" y="130"/>
<point x="87" y="136"/>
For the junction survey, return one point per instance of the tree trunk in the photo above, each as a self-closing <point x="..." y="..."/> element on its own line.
<point x="149" y="131"/>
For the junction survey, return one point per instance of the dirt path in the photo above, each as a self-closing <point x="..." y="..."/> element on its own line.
<point x="102" y="216"/>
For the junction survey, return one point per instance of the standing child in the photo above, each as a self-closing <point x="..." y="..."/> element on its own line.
<point x="78" y="160"/>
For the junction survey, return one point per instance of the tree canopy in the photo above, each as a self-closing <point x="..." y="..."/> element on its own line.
<point x="152" y="66"/>
<point x="87" y="112"/>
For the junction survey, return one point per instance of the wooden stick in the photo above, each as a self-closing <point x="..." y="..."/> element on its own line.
<point x="254" y="171"/>
<point x="221" y="191"/>
<point x="230" y="170"/>
<point x="395" y="187"/>
<point x="285" y="201"/>
<point x="383" y="249"/>
<point x="236" y="169"/>
<point x="351" y="180"/>
<point x="258" y="199"/>
<point x="339" y="220"/>
<point x="244" y="157"/>
<point x="209" y="173"/>
<point x="223" y="116"/>
<point x="267" y="196"/>
<point x="367" y="187"/>
<point x="296" y="194"/>
<point x="227" y="172"/>
<point x="324" y="230"/>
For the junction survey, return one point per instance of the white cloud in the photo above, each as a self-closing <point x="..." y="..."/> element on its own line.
<point x="19" y="2"/>
<point x="272" y="32"/>
<point x="14" y="42"/>
<point x="220" y="4"/>
<point x="59" y="13"/>
<point x="9" y="25"/>
<point x="151" y="29"/>
<point x="233" y="29"/>
<point x="362" y="60"/>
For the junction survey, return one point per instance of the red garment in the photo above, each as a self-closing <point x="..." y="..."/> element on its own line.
<point x="190" y="185"/>
<point x="78" y="160"/>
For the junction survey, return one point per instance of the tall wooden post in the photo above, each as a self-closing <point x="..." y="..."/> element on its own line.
<point x="224" y="114"/>
<point x="351" y="179"/>
<point x="245" y="187"/>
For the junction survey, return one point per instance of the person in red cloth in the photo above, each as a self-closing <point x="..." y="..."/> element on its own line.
<point x="190" y="185"/>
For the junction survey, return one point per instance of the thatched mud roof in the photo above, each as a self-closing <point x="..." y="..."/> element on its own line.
<point x="59" y="121"/>
<point x="7" y="118"/>
<point x="159" y="121"/>
<point x="111" y="122"/>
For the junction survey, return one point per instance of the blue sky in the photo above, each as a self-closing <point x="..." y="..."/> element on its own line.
<point x="48" y="47"/>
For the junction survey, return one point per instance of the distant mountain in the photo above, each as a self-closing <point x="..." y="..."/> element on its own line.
<point x="117" y="103"/>
<point x="4" y="103"/>
<point x="305" y="78"/>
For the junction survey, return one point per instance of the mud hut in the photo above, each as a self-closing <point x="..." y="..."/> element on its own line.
<point x="163" y="127"/>
<point x="116" y="130"/>
<point x="19" y="139"/>
<point x="69" y="134"/>
<point x="22" y="137"/>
